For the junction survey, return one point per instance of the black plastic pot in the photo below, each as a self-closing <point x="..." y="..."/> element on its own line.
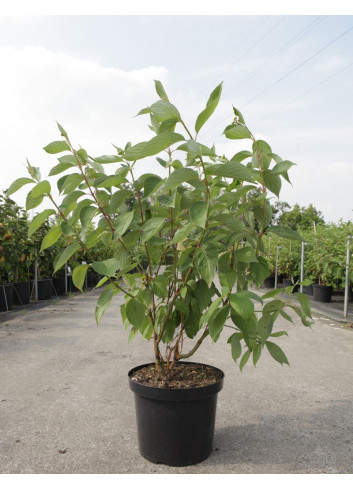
<point x="6" y="297"/>
<point x="269" y="282"/>
<point x="350" y="294"/>
<point x="308" y="289"/>
<point x="91" y="279"/>
<point x="175" y="426"/>
<point x="288" y="283"/>
<point x="59" y="285"/>
<point x="322" y="293"/>
<point x="44" y="289"/>
<point x="21" y="293"/>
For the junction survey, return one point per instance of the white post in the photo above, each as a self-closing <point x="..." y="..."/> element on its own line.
<point x="348" y="257"/>
<point x="66" y="278"/>
<point x="276" y="273"/>
<point x="36" y="277"/>
<point x="302" y="267"/>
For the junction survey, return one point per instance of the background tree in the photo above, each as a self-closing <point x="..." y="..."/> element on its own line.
<point x="301" y="217"/>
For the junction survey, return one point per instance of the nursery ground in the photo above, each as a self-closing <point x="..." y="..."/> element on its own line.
<point x="66" y="406"/>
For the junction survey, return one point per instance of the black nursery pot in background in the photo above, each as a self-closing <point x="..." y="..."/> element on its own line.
<point x="308" y="289"/>
<point x="322" y="293"/>
<point x="21" y="293"/>
<point x="288" y="283"/>
<point x="6" y="297"/>
<point x="59" y="285"/>
<point x="269" y="282"/>
<point x="44" y="289"/>
<point x="175" y="426"/>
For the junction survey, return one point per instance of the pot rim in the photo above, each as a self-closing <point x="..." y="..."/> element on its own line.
<point x="179" y="394"/>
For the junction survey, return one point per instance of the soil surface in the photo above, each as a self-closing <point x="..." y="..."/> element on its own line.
<point x="181" y="376"/>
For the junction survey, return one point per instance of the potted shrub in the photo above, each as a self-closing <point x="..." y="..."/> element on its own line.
<point x="15" y="256"/>
<point x="184" y="249"/>
<point x="289" y="263"/>
<point x="325" y="260"/>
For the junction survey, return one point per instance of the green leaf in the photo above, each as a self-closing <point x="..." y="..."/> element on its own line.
<point x="51" y="237"/>
<point x="103" y="303"/>
<point x="107" y="267"/>
<point x="282" y="167"/>
<point x="17" y="184"/>
<point x="38" y="221"/>
<point x="160" y="286"/>
<point x="40" y="189"/>
<point x="33" y="202"/>
<point x="151" y="228"/>
<point x="256" y="353"/>
<point x="259" y="270"/>
<point x="151" y="185"/>
<point x="265" y="326"/>
<point x="206" y="259"/>
<point x="227" y="279"/>
<point x="119" y="197"/>
<point x="244" y="360"/>
<point x="59" y="168"/>
<point x="272" y="293"/>
<point x="285" y="233"/>
<point x="249" y="295"/>
<point x="248" y="326"/>
<point x="70" y="183"/>
<point x="95" y="236"/>
<point x="105" y="159"/>
<point x="183" y="232"/>
<point x="113" y="181"/>
<point x="237" y="132"/>
<point x="203" y="294"/>
<point x="153" y="147"/>
<point x="242" y="306"/>
<point x="63" y="133"/>
<point x="198" y="213"/>
<point x="263" y="215"/>
<point x="245" y="254"/>
<point x="87" y="214"/>
<point x="217" y="321"/>
<point x="79" y="275"/>
<point x="66" y="255"/>
<point x="160" y="90"/>
<point x="275" y="305"/>
<point x="231" y="169"/>
<point x="122" y="224"/>
<point x="57" y="147"/>
<point x="272" y="182"/>
<point x="210" y="107"/>
<point x="179" y="176"/>
<point x="235" y="347"/>
<point x="279" y="333"/>
<point x="238" y="115"/>
<point x="135" y="312"/>
<point x="208" y="313"/>
<point x="277" y="353"/>
<point x="305" y="303"/>
<point x="163" y="110"/>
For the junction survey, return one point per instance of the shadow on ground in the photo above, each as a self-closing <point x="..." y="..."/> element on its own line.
<point x="312" y="443"/>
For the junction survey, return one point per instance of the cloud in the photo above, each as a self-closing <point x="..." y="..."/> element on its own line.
<point x="331" y="64"/>
<point x="96" y="106"/>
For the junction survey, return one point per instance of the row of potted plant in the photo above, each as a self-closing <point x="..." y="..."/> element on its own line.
<point x="325" y="255"/>
<point x="23" y="262"/>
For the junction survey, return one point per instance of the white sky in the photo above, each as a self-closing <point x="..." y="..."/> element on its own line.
<point x="289" y="72"/>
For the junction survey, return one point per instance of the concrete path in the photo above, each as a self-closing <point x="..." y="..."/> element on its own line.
<point x="66" y="406"/>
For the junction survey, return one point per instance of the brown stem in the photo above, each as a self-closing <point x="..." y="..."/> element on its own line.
<point x="196" y="347"/>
